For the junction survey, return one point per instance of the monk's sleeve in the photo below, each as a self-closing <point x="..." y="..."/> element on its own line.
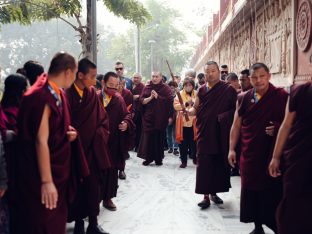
<point x="129" y="135"/>
<point x="283" y="96"/>
<point x="294" y="97"/>
<point x="225" y="120"/>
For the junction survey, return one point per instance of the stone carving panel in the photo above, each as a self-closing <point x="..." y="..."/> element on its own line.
<point x="303" y="25"/>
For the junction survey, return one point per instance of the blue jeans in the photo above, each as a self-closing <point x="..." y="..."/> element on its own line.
<point x="171" y="137"/>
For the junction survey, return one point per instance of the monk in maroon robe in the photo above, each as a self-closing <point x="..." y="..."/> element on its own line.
<point x="121" y="128"/>
<point x="91" y="121"/>
<point x="44" y="157"/>
<point x="137" y="89"/>
<point x="214" y="108"/>
<point x="292" y="158"/>
<point x="258" y="116"/>
<point x="156" y="99"/>
<point x="128" y="98"/>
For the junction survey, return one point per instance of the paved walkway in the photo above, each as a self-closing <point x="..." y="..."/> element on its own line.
<point x="162" y="200"/>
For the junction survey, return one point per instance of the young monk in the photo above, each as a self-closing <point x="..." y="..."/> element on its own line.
<point x="156" y="99"/>
<point x="128" y="98"/>
<point x="258" y="115"/>
<point x="91" y="121"/>
<point x="43" y="162"/>
<point x="214" y="108"/>
<point x="292" y="159"/>
<point x="121" y="128"/>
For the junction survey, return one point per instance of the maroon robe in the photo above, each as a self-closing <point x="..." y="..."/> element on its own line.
<point x="214" y="118"/>
<point x="260" y="192"/>
<point x="137" y="117"/>
<point x="89" y="118"/>
<point x="128" y="97"/>
<point x="294" y="211"/>
<point x="118" y="142"/>
<point x="31" y="215"/>
<point x="10" y="121"/>
<point x="155" y="116"/>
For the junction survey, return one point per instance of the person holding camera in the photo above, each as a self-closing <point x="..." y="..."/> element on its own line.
<point x="186" y="130"/>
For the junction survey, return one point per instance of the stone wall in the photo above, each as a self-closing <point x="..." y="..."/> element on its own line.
<point x="261" y="31"/>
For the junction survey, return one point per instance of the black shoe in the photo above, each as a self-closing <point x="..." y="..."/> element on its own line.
<point x="176" y="152"/>
<point x="122" y="175"/>
<point x="194" y="161"/>
<point x="216" y="199"/>
<point x="79" y="227"/>
<point x="109" y="204"/>
<point x="257" y="231"/>
<point x="96" y="230"/>
<point x="146" y="163"/>
<point x="159" y="163"/>
<point x="234" y="172"/>
<point x="170" y="151"/>
<point x="204" y="204"/>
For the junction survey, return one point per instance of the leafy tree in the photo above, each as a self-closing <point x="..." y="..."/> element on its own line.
<point x="28" y="11"/>
<point x="169" y="42"/>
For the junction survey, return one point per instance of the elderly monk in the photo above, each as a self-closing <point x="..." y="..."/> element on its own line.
<point x="44" y="159"/>
<point x="121" y="128"/>
<point x="137" y="88"/>
<point x="293" y="144"/>
<point x="258" y="115"/>
<point x="156" y="100"/>
<point x="214" y="108"/>
<point x="91" y="121"/>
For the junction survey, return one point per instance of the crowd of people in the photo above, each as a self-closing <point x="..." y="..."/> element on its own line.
<point x="66" y="135"/>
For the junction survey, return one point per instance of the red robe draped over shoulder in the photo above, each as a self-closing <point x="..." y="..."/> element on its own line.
<point x="214" y="119"/>
<point x="32" y="216"/>
<point x="294" y="211"/>
<point x="90" y="119"/>
<point x="155" y="114"/>
<point x="256" y="145"/>
<point x="119" y="142"/>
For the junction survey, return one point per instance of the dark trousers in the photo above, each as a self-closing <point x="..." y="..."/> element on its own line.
<point x="187" y="145"/>
<point x="138" y="128"/>
<point x="171" y="137"/>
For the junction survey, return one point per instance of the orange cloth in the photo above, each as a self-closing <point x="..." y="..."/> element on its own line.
<point x="179" y="129"/>
<point x="129" y="107"/>
<point x="180" y="120"/>
<point x="106" y="100"/>
<point x="79" y="91"/>
<point x="56" y="89"/>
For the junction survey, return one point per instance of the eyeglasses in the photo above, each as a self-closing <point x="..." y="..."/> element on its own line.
<point x="119" y="68"/>
<point x="224" y="72"/>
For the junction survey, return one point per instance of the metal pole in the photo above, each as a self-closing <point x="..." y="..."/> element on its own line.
<point x="137" y="48"/>
<point x="94" y="33"/>
<point x="152" y="42"/>
<point x="152" y="67"/>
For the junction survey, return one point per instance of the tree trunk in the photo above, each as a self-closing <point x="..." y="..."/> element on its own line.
<point x="87" y="43"/>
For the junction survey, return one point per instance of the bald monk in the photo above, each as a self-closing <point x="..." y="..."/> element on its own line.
<point x="91" y="122"/>
<point x="258" y="115"/>
<point x="214" y="108"/>
<point x="292" y="158"/>
<point x="121" y="127"/>
<point x="128" y="98"/>
<point x="156" y="99"/>
<point x="44" y="159"/>
<point x="137" y="89"/>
